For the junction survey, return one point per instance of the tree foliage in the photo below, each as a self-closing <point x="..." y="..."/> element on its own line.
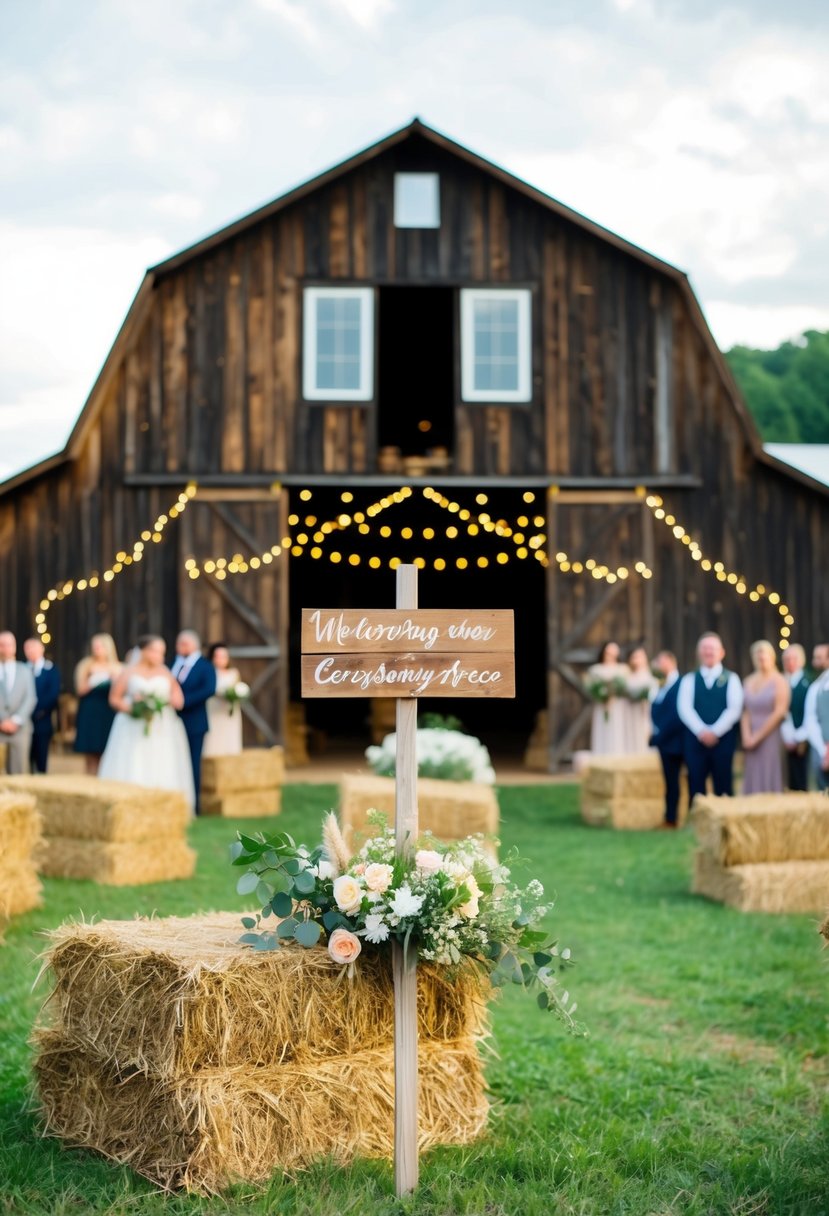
<point x="787" y="389"/>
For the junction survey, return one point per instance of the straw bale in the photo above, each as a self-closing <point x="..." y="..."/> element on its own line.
<point x="627" y="814"/>
<point x="118" y="864"/>
<point x="20" y="833"/>
<point x="87" y="808"/>
<point x="449" y="809"/>
<point x="763" y="827"/>
<point x="213" y="1128"/>
<point x="255" y="768"/>
<point x="247" y="804"/>
<point x="771" y="886"/>
<point x="296" y="736"/>
<point x="177" y="995"/>
<point x="638" y="776"/>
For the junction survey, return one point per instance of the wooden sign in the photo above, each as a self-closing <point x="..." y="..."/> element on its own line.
<point x="405" y="653"/>
<point x="394" y="653"/>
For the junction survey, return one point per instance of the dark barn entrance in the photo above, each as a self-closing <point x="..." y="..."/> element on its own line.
<point x="415" y="371"/>
<point x="519" y="584"/>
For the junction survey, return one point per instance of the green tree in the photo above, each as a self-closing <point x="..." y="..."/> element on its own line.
<point x="787" y="389"/>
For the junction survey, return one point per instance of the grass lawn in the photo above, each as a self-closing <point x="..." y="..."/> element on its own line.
<point x="702" y="1088"/>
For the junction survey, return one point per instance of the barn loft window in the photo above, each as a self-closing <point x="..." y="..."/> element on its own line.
<point x="416" y="200"/>
<point x="496" y="354"/>
<point x="338" y="344"/>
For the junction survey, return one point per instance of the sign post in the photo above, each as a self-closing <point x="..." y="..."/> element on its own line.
<point x="407" y="653"/>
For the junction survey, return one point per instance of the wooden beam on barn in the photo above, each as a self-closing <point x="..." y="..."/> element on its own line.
<point x="240" y="482"/>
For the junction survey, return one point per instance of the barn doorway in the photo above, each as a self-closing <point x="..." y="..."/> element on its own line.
<point x="415" y="372"/>
<point x="504" y="726"/>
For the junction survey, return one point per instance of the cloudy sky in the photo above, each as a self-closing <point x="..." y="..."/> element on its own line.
<point x="129" y="128"/>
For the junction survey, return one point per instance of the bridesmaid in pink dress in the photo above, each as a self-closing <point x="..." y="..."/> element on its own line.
<point x="765" y="705"/>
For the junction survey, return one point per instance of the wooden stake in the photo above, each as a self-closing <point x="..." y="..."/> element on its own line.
<point x="405" y="971"/>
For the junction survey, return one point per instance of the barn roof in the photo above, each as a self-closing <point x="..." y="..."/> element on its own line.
<point x="416" y="128"/>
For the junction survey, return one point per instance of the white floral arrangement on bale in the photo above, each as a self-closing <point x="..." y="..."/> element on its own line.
<point x="451" y="904"/>
<point x="443" y="751"/>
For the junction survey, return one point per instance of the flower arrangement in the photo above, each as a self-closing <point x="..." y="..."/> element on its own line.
<point x="601" y="691"/>
<point x="240" y="691"/>
<point x="642" y="693"/>
<point x="147" y="707"/>
<point x="443" y="751"/>
<point x="449" y="903"/>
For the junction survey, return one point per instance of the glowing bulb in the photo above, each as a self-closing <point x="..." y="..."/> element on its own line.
<point x="406" y="533"/>
<point x="483" y="562"/>
<point x="439" y="563"/>
<point x="293" y="519"/>
<point x="528" y="496"/>
<point x="394" y="563"/>
<point x="375" y="563"/>
<point x="502" y="559"/>
<point x="420" y="563"/>
<point x="335" y="557"/>
<point x="354" y="559"/>
<point x="305" y="495"/>
<point x="346" y="496"/>
<point x="385" y="530"/>
<point x="452" y="532"/>
<point x="481" y="499"/>
<point x="461" y="563"/>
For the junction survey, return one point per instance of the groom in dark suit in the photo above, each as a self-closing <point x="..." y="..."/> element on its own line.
<point x="47" y="687"/>
<point x="668" y="732"/>
<point x="197" y="678"/>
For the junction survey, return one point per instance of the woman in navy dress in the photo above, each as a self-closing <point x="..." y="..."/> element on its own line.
<point x="93" y="681"/>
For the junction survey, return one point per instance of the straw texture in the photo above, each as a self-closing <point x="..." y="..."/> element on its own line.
<point x="449" y="809"/>
<point x="763" y="827"/>
<point x="117" y="864"/>
<point x="20" y="844"/>
<point x="248" y="804"/>
<point x="772" y="886"/>
<point x="255" y="768"/>
<point x="627" y="792"/>
<point x="201" y="1062"/>
<point x="90" y="809"/>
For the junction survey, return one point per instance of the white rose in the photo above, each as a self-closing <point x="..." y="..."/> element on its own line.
<point x="428" y="861"/>
<point x="323" y="869"/>
<point x="344" y="946"/>
<point x="470" y="908"/>
<point x="378" y="876"/>
<point x="348" y="894"/>
<point x="242" y="689"/>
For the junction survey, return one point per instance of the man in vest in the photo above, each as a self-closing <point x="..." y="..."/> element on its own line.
<point x="791" y="729"/>
<point x="709" y="702"/>
<point x="816" y="715"/>
<point x="668" y="732"/>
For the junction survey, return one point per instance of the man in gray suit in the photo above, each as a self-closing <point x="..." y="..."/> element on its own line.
<point x="17" y="702"/>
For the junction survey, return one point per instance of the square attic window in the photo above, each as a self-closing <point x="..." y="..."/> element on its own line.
<point x="416" y="200"/>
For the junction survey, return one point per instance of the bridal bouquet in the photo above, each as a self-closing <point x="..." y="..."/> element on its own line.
<point x="601" y="691"/>
<point x="447" y="904"/>
<point x="442" y="751"/>
<point x="236" y="693"/>
<point x="147" y="707"/>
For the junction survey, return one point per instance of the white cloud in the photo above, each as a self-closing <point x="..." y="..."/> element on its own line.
<point x="763" y="328"/>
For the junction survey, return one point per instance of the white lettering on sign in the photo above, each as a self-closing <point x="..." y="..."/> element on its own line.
<point x="390" y="631"/>
<point x="478" y="633"/>
<point x="419" y="677"/>
<point x="336" y="630"/>
<point x="486" y="674"/>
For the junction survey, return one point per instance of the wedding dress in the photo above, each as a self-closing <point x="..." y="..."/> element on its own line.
<point x="158" y="758"/>
<point x="224" y="735"/>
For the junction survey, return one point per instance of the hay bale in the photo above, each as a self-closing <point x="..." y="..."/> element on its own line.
<point x="214" y="1128"/>
<point x="117" y="864"/>
<point x="255" y="768"/>
<point x="627" y="792"/>
<point x="296" y="736"/>
<point x="176" y="995"/>
<point x="20" y="833"/>
<point x="76" y="805"/>
<point x="537" y="754"/>
<point x="449" y="809"/>
<point x="771" y="886"/>
<point x="201" y="1062"/>
<point x="247" y="804"/>
<point x="763" y="827"/>
<point x="3" y="750"/>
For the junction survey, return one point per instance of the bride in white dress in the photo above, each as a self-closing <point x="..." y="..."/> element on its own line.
<point x="155" y="754"/>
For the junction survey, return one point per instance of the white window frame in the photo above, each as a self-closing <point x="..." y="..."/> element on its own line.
<point x="404" y="220"/>
<point x="310" y="299"/>
<point x="469" y="297"/>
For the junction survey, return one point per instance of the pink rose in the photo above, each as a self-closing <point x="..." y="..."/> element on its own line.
<point x="344" y="946"/>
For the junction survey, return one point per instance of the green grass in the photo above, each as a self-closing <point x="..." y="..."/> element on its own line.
<point x="701" y="1090"/>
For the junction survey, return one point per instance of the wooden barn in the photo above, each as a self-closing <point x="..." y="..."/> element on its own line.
<point x="415" y="356"/>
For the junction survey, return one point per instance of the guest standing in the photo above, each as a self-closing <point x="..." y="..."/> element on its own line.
<point x="94" y="677"/>
<point x="640" y="685"/>
<point x="791" y="729"/>
<point x="765" y="705"/>
<point x="224" y="734"/>
<point x="709" y="702"/>
<point x="47" y="687"/>
<point x="668" y="732"/>
<point x="197" y="678"/>
<point x="151" y="752"/>
<point x="816" y="716"/>
<point x="607" y="727"/>
<point x="17" y="701"/>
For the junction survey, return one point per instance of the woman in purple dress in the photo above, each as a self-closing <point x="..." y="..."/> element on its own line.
<point x="765" y="705"/>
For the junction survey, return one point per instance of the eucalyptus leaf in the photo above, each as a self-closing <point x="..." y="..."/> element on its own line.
<point x="271" y="859"/>
<point x="250" y="939"/>
<point x="292" y="865"/>
<point x="304" y="882"/>
<point x="249" y="922"/>
<point x="282" y="904"/>
<point x="542" y="1000"/>
<point x="334" y="920"/>
<point x="264" y="892"/>
<point x="307" y="933"/>
<point x="235" y="849"/>
<point x="286" y="928"/>
<point x="541" y="959"/>
<point x="247" y="883"/>
<point x="267" y="942"/>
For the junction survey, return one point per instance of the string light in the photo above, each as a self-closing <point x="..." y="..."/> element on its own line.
<point x="122" y="560"/>
<point x="732" y="578"/>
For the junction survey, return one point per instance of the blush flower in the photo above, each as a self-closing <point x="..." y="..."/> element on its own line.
<point x="378" y="876"/>
<point x="344" y="946"/>
<point x="428" y="861"/>
<point x="348" y="894"/>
